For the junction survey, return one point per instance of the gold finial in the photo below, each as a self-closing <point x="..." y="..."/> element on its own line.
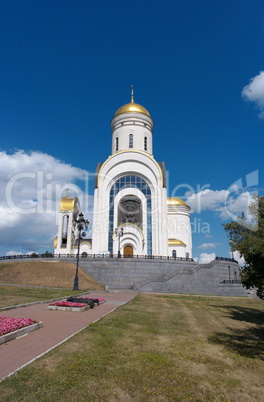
<point x="132" y="93"/>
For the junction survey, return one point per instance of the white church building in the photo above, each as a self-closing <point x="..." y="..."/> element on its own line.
<point x="132" y="215"/>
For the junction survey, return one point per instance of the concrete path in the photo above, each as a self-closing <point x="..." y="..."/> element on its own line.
<point x="58" y="326"/>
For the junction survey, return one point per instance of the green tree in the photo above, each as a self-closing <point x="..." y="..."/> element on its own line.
<point x="47" y="254"/>
<point x="34" y="255"/>
<point x="247" y="236"/>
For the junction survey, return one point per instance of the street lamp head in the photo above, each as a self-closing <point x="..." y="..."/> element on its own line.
<point x="81" y="222"/>
<point x="119" y="232"/>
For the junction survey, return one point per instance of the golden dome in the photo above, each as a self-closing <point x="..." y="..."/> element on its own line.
<point x="132" y="107"/>
<point x="176" y="201"/>
<point x="176" y="242"/>
<point x="68" y="204"/>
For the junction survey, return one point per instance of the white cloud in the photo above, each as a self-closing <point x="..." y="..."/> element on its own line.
<point x="206" y="258"/>
<point x="31" y="186"/>
<point x="207" y="200"/>
<point x="225" y="203"/>
<point x="235" y="205"/>
<point x="208" y="245"/>
<point x="12" y="252"/>
<point x="238" y="258"/>
<point x="254" y="92"/>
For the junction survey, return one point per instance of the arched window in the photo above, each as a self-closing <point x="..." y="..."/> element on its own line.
<point x="145" y="143"/>
<point x="174" y="254"/>
<point x="130" y="140"/>
<point x="137" y="182"/>
<point x="117" y="144"/>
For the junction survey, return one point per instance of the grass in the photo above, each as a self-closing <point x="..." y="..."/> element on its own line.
<point x="51" y="274"/>
<point x="155" y="348"/>
<point x="45" y="273"/>
<point x="12" y="295"/>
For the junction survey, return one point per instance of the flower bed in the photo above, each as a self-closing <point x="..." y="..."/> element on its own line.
<point x="75" y="303"/>
<point x="11" y="328"/>
<point x="65" y="305"/>
<point x="12" y="324"/>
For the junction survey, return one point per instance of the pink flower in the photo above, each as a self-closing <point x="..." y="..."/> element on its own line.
<point x="12" y="324"/>
<point x="64" y="303"/>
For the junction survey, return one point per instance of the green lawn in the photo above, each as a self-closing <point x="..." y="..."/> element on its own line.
<point x="14" y="295"/>
<point x="155" y="348"/>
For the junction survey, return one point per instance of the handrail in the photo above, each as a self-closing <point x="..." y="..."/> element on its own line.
<point x="225" y="259"/>
<point x="108" y="255"/>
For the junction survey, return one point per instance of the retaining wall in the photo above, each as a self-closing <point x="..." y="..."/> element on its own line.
<point x="216" y="278"/>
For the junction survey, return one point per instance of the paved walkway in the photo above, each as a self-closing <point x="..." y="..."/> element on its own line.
<point x="58" y="326"/>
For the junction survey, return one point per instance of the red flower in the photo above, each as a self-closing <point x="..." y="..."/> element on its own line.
<point x="12" y="324"/>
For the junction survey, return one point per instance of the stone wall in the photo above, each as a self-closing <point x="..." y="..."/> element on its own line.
<point x="146" y="275"/>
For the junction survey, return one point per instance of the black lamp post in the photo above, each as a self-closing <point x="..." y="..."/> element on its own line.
<point x="119" y="233"/>
<point x="81" y="225"/>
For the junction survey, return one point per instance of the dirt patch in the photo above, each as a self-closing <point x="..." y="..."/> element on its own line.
<point x="45" y="273"/>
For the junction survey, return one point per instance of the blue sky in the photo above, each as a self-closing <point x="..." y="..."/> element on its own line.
<point x="67" y="66"/>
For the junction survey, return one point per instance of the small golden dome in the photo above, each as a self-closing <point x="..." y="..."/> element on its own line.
<point x="176" y="242"/>
<point x="175" y="201"/>
<point x="68" y="204"/>
<point x="132" y="107"/>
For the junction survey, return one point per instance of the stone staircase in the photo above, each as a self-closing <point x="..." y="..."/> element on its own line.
<point x="165" y="276"/>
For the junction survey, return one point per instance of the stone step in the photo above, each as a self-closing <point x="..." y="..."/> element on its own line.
<point x="165" y="276"/>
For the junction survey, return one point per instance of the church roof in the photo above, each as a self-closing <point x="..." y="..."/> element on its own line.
<point x="175" y="201"/>
<point x="82" y="241"/>
<point x="132" y="107"/>
<point x="68" y="204"/>
<point x="176" y="242"/>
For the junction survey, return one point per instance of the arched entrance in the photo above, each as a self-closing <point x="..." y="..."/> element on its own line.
<point x="128" y="251"/>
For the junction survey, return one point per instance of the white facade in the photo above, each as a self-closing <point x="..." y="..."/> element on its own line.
<point x="132" y="213"/>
